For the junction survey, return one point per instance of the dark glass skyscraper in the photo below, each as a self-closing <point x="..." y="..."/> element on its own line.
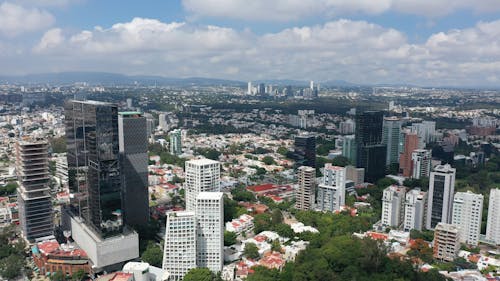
<point x="305" y="151"/>
<point x="133" y="139"/>
<point x="371" y="153"/>
<point x="93" y="163"/>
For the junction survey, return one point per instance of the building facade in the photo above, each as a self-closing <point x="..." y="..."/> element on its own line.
<point x="349" y="148"/>
<point x="393" y="200"/>
<point x="467" y="216"/>
<point x="210" y="231"/>
<point x="440" y="196"/>
<point x="415" y="210"/>
<point x="371" y="152"/>
<point x="179" y="252"/>
<point x="34" y="200"/>
<point x="133" y="142"/>
<point x="446" y="242"/>
<point x="421" y="163"/>
<point x="493" y="223"/>
<point x="391" y="137"/>
<point x="405" y="161"/>
<point x="306" y="180"/>
<point x="176" y="142"/>
<point x="305" y="151"/>
<point x="202" y="175"/>
<point x="331" y="191"/>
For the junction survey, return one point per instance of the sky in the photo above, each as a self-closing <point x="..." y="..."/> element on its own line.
<point x="418" y="42"/>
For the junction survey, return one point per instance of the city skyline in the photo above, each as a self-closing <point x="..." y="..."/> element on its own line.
<point x="446" y="43"/>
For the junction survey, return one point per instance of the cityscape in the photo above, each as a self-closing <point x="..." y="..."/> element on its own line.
<point x="301" y="166"/>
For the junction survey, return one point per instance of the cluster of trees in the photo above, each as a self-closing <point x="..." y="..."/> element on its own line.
<point x="201" y="274"/>
<point x="8" y="189"/>
<point x="153" y="254"/>
<point x="273" y="222"/>
<point x="209" y="153"/>
<point x="324" y="146"/>
<point x="11" y="255"/>
<point x="58" y="145"/>
<point x="232" y="210"/>
<point x="241" y="194"/>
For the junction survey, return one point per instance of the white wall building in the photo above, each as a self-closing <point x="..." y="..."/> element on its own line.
<point x="415" y="209"/>
<point x="241" y="224"/>
<point x="440" y="195"/>
<point x="393" y="201"/>
<point x="202" y="175"/>
<point x="179" y="253"/>
<point x="467" y="215"/>
<point x="331" y="192"/>
<point x="425" y="131"/>
<point x="421" y="159"/>
<point x="210" y="236"/>
<point x="493" y="224"/>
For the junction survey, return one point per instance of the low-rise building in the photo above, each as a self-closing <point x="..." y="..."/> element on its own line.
<point x="50" y="257"/>
<point x="446" y="242"/>
<point x="242" y="224"/>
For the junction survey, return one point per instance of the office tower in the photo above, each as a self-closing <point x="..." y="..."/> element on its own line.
<point x="35" y="205"/>
<point x="467" y="215"/>
<point x="305" y="151"/>
<point x="415" y="210"/>
<point x="356" y="175"/>
<point x="129" y="103"/>
<point x="95" y="180"/>
<point x="133" y="143"/>
<point x="421" y="163"/>
<point x="61" y="168"/>
<point x="446" y="244"/>
<point x="349" y="148"/>
<point x="493" y="222"/>
<point x="371" y="153"/>
<point x="304" y="197"/>
<point x="262" y="89"/>
<point x="311" y="85"/>
<point x="288" y="91"/>
<point x="93" y="162"/>
<point x="440" y="200"/>
<point x="405" y="161"/>
<point x="391" y="138"/>
<point x="210" y="230"/>
<point x="201" y="175"/>
<point x="163" y="121"/>
<point x="331" y="191"/>
<point x="393" y="200"/>
<point x="426" y="132"/>
<point x="150" y="123"/>
<point x="179" y="252"/>
<point x="249" y="90"/>
<point x="176" y="142"/>
<point x="347" y="127"/>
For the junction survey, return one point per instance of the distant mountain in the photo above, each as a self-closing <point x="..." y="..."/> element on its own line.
<point x="109" y="79"/>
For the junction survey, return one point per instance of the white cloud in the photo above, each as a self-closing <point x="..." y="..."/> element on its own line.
<point x="356" y="51"/>
<point x="15" y="19"/>
<point x="285" y="10"/>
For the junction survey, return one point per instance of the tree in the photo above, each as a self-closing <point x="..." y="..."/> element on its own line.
<point x="251" y="251"/>
<point x="153" y="255"/>
<point x="11" y="266"/>
<point x="261" y="222"/>
<point x="268" y="160"/>
<point x="79" y="275"/>
<point x="284" y="230"/>
<point x="282" y="150"/>
<point x="276" y="246"/>
<point x="229" y="238"/>
<point x="199" y="274"/>
<point x="340" y="161"/>
<point x="276" y="216"/>
<point x="58" y="276"/>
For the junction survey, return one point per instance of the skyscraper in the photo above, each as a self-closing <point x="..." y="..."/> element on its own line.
<point x="249" y="90"/>
<point x="393" y="200"/>
<point x="331" y="191"/>
<point x="391" y="138"/>
<point x="421" y="163"/>
<point x="467" y="216"/>
<point x="440" y="200"/>
<point x="371" y="153"/>
<point x="493" y="223"/>
<point x="305" y="151"/>
<point x="304" y="197"/>
<point x="35" y="205"/>
<point x="176" y="142"/>
<point x="93" y="163"/>
<point x="415" y="210"/>
<point x="133" y="143"/>
<point x="405" y="161"/>
<point x="426" y="132"/>
<point x="179" y="252"/>
<point x="202" y="175"/>
<point x="349" y="148"/>
<point x="210" y="230"/>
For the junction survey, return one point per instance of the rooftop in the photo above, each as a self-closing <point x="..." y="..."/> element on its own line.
<point x="210" y="195"/>
<point x="202" y="161"/>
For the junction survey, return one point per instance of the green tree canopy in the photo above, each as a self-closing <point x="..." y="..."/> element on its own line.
<point x="251" y="251"/>
<point x="229" y="238"/>
<point x="153" y="255"/>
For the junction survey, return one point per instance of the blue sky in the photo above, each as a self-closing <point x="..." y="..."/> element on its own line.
<point x="438" y="42"/>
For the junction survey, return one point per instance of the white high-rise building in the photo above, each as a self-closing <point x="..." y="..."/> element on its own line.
<point x="393" y="201"/>
<point x="440" y="195"/>
<point x="202" y="175"/>
<point x="176" y="142"/>
<point x="421" y="159"/>
<point x="331" y="192"/>
<point x="179" y="254"/>
<point x="311" y="85"/>
<point x="493" y="223"/>
<point x="249" y="90"/>
<point x="391" y="134"/>
<point x="426" y="132"/>
<point x="467" y="215"/>
<point x="415" y="209"/>
<point x="210" y="232"/>
<point x="304" y="197"/>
